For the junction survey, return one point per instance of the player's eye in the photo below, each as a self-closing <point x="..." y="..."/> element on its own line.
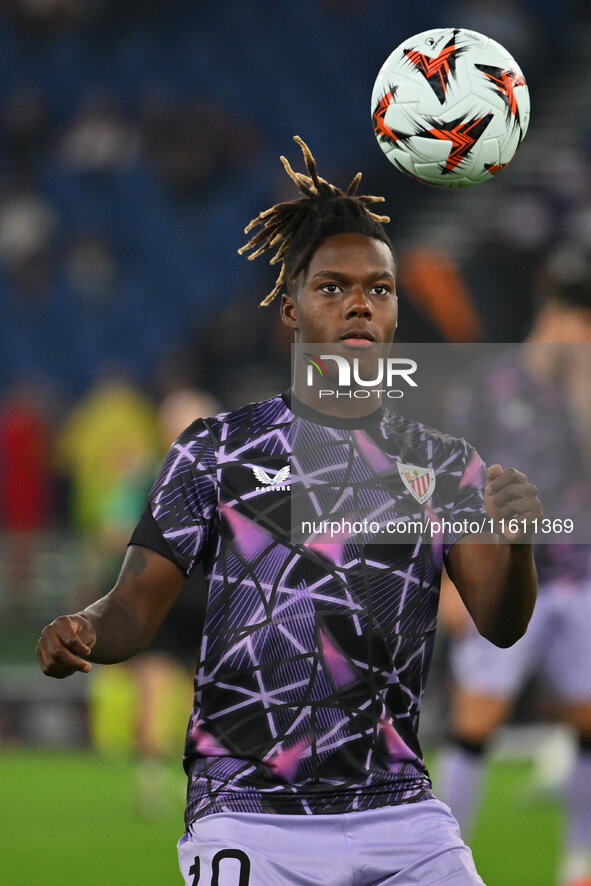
<point x="331" y="288"/>
<point x="380" y="289"/>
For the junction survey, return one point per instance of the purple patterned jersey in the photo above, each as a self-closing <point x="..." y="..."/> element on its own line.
<point x="314" y="655"/>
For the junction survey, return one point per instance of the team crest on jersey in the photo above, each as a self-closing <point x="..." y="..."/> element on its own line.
<point x="420" y="482"/>
<point x="275" y="483"/>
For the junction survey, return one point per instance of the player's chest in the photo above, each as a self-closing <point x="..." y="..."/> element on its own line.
<point x="334" y="479"/>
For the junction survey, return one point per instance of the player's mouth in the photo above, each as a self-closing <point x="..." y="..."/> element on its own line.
<point x="358" y="338"/>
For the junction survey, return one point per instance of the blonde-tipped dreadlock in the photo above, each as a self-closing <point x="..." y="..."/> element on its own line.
<point x="297" y="227"/>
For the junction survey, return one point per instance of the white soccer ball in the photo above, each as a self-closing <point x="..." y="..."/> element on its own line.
<point x="450" y="107"/>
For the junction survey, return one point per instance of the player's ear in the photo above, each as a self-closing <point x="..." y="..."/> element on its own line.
<point x="289" y="310"/>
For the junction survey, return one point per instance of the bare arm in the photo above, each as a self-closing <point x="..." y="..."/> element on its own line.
<point x="498" y="585"/>
<point x="497" y="580"/>
<point x="120" y="624"/>
<point x="452" y="614"/>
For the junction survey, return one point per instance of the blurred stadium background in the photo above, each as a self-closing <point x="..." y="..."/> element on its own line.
<point x="136" y="141"/>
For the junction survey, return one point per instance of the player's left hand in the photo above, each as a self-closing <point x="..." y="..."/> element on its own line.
<point x="512" y="502"/>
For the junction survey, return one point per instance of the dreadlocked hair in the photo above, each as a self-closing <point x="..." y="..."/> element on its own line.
<point x="295" y="229"/>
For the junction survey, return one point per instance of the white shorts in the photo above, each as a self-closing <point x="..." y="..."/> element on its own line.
<point x="406" y="845"/>
<point x="556" y="645"/>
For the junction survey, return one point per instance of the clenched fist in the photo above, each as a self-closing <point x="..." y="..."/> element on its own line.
<point x="63" y="645"/>
<point x="512" y="502"/>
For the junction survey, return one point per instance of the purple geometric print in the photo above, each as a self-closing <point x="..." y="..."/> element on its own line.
<point x="313" y="657"/>
<point x="284" y="763"/>
<point x="340" y="670"/>
<point x="397" y="749"/>
<point x="346" y="487"/>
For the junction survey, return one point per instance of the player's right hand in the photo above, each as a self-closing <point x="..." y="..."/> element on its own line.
<point x="63" y="645"/>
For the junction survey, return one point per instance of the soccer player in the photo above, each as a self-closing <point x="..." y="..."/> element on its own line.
<point x="303" y="761"/>
<point x="539" y="410"/>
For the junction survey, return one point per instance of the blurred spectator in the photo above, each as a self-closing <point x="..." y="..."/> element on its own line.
<point x="110" y="439"/>
<point x="182" y="407"/>
<point x="100" y="138"/>
<point x="26" y="455"/>
<point x="27" y="486"/>
<point x="28" y="231"/>
<point x="432" y="279"/>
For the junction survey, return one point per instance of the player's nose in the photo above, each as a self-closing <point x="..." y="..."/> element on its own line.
<point x="358" y="304"/>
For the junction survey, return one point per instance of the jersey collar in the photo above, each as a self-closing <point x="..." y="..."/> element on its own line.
<point x="330" y="421"/>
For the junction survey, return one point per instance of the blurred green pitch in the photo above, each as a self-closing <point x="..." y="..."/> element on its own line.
<point x="71" y="818"/>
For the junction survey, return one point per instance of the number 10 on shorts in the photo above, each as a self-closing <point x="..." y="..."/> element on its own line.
<point x="235" y="872"/>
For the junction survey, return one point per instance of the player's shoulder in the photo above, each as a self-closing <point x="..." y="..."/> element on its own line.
<point x="245" y="420"/>
<point x="420" y="436"/>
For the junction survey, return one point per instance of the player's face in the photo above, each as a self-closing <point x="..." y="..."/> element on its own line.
<point x="348" y="292"/>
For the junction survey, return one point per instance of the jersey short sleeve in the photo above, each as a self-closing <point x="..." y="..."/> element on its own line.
<point x="468" y="514"/>
<point x="148" y="534"/>
<point x="183" y="500"/>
